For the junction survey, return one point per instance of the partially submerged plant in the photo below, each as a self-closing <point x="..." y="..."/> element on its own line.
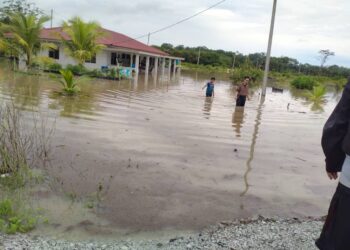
<point x="68" y="82"/>
<point x="12" y="220"/>
<point x="317" y="95"/>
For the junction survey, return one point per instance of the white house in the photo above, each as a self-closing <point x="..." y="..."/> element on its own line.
<point x="120" y="50"/>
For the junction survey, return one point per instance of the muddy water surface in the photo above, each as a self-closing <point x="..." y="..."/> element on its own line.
<point x="156" y="155"/>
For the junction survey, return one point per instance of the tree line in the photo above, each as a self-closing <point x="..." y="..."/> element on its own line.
<point x="229" y="59"/>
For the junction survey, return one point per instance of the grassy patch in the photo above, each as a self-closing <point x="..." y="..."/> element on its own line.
<point x="304" y="82"/>
<point x="13" y="220"/>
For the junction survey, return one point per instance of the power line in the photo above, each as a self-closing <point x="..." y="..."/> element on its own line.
<point x="187" y="18"/>
<point x="171" y="25"/>
<point x="174" y="24"/>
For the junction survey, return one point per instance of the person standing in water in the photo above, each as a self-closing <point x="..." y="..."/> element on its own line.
<point x="210" y="87"/>
<point x="335" y="234"/>
<point x="243" y="92"/>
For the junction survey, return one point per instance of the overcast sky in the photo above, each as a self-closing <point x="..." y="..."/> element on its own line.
<point x="302" y="28"/>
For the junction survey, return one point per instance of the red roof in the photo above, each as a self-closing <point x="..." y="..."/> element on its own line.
<point x="110" y="39"/>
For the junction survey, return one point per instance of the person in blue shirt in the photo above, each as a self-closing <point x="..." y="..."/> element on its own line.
<point x="210" y="87"/>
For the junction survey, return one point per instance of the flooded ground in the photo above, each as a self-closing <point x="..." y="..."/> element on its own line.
<point x="138" y="157"/>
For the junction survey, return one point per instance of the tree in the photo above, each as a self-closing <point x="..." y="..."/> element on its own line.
<point x="82" y="45"/>
<point x="324" y="56"/>
<point x="18" y="6"/>
<point x="24" y="34"/>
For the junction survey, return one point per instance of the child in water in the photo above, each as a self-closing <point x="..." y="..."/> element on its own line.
<point x="210" y="87"/>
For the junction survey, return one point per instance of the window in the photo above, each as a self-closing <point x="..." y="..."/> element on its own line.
<point x="54" y="53"/>
<point x="114" y="58"/>
<point x="92" y="59"/>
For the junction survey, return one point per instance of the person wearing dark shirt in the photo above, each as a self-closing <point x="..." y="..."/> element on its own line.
<point x="210" y="87"/>
<point x="335" y="142"/>
<point x="243" y="92"/>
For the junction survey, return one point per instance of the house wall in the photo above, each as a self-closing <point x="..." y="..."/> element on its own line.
<point x="102" y="58"/>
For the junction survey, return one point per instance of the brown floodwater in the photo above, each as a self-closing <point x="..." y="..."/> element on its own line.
<point x="155" y="155"/>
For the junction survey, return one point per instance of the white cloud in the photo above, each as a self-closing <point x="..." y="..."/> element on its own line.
<point x="303" y="27"/>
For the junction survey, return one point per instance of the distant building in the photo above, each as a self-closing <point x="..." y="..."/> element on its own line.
<point x="120" y="50"/>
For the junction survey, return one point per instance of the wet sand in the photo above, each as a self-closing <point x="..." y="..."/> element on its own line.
<point x="163" y="157"/>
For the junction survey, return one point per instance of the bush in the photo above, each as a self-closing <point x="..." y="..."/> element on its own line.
<point x="54" y="67"/>
<point x="12" y="221"/>
<point x="239" y="73"/>
<point x="304" y="82"/>
<point x="95" y="73"/>
<point x="113" y="73"/>
<point x="77" y="69"/>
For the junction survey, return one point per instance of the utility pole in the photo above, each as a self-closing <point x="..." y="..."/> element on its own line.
<point x="199" y="55"/>
<point x="234" y="59"/>
<point x="149" y="35"/>
<point x="268" y="54"/>
<point x="51" y="17"/>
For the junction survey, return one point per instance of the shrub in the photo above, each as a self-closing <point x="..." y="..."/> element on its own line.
<point x="54" y="67"/>
<point x="13" y="221"/>
<point x="239" y="73"/>
<point x="77" y="69"/>
<point x="95" y="73"/>
<point x="113" y="73"/>
<point x="304" y="82"/>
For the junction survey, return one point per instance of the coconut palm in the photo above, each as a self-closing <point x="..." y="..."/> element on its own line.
<point x="317" y="95"/>
<point x="82" y="44"/>
<point x="68" y="83"/>
<point x="24" y="31"/>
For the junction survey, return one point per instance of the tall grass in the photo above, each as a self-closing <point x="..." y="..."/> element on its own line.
<point x="24" y="145"/>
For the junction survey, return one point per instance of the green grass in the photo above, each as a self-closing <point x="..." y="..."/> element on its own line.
<point x="12" y="220"/>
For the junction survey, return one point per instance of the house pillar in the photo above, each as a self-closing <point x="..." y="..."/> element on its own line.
<point x="137" y="63"/>
<point x="174" y="69"/>
<point x="156" y="66"/>
<point x="163" y="65"/>
<point x="131" y="60"/>
<point x="147" y="65"/>
<point x="179" y="68"/>
<point x="169" y="69"/>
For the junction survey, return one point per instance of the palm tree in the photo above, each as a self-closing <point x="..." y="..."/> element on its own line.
<point x="82" y="44"/>
<point x="24" y="33"/>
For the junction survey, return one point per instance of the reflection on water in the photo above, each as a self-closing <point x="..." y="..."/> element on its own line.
<point x="238" y="120"/>
<point x="208" y="102"/>
<point x="252" y="144"/>
<point x="171" y="168"/>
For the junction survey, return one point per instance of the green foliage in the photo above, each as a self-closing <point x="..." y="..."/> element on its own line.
<point x="239" y="73"/>
<point x="228" y="59"/>
<point x="77" y="69"/>
<point x="95" y="73"/>
<point x="10" y="7"/>
<point x="247" y="69"/>
<point x="113" y="73"/>
<point x="317" y="95"/>
<point x="68" y="82"/>
<point x="83" y="43"/>
<point x="13" y="221"/>
<point x="304" y="82"/>
<point x="54" y="67"/>
<point x="25" y="30"/>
